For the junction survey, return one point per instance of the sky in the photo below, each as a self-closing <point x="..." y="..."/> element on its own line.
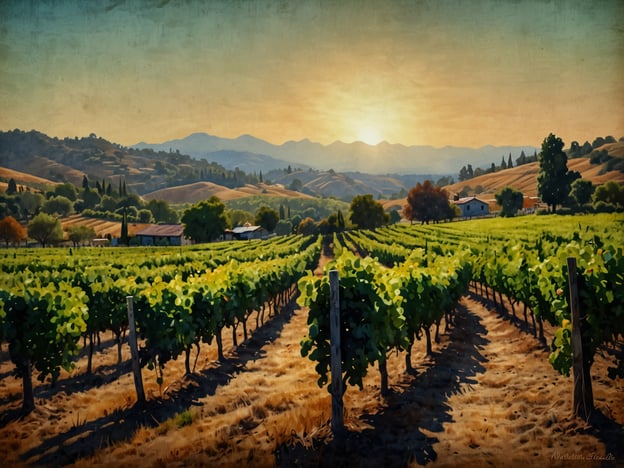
<point x="419" y="72"/>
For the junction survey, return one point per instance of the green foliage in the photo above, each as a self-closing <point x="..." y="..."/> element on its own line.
<point x="510" y="200"/>
<point x="45" y="229"/>
<point x="205" y="221"/>
<point x="553" y="179"/>
<point x="611" y="193"/>
<point x="80" y="234"/>
<point x="58" y="205"/>
<point x="267" y="218"/>
<point x="42" y="324"/>
<point x="162" y="212"/>
<point x="581" y="191"/>
<point x="366" y="213"/>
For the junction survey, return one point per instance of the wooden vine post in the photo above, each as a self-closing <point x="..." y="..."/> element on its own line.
<point x="583" y="395"/>
<point x="337" y="421"/>
<point x="134" y="352"/>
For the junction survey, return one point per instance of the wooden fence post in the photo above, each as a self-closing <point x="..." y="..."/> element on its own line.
<point x="337" y="421"/>
<point x="583" y="395"/>
<point x="134" y="352"/>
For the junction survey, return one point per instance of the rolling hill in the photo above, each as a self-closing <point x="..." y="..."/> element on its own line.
<point x="34" y="158"/>
<point x="524" y="178"/>
<point x="192" y="193"/>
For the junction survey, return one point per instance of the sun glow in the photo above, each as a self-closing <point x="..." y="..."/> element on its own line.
<point x="369" y="135"/>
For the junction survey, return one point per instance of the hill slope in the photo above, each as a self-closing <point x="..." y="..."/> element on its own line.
<point x="192" y="193"/>
<point x="524" y="178"/>
<point x="70" y="159"/>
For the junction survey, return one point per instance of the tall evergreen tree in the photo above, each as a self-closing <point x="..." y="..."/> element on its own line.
<point x="553" y="178"/>
<point x="85" y="182"/>
<point x="509" y="163"/>
<point x="123" y="238"/>
<point x="12" y="187"/>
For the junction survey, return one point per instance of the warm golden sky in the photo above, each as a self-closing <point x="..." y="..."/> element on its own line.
<point x="461" y="73"/>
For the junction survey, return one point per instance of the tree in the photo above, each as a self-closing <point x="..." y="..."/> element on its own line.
<point x="366" y="213"/>
<point x="12" y="187"/>
<point x="205" y="221"/>
<point x="296" y="185"/>
<point x="510" y="200"/>
<point x="88" y="200"/>
<point x="30" y="203"/>
<point x="45" y="229"/>
<point x="267" y="218"/>
<point x="85" y="182"/>
<point x="611" y="193"/>
<point x="80" y="234"/>
<point x="581" y="191"/>
<point x="426" y="202"/>
<point x="11" y="231"/>
<point x="162" y="212"/>
<point x="522" y="159"/>
<point x="283" y="227"/>
<point x="66" y="190"/>
<point x="509" y="162"/>
<point x="239" y="217"/>
<point x="308" y="227"/>
<point x="146" y="216"/>
<point x="463" y="174"/>
<point x="553" y="179"/>
<point x="60" y="205"/>
<point x="123" y="236"/>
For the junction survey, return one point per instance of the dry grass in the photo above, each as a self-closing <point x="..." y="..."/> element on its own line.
<point x="23" y="178"/>
<point x="192" y="193"/>
<point x="524" y="178"/>
<point x="487" y="396"/>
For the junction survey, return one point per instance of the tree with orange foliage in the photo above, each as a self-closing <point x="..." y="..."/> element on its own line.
<point x="11" y="231"/>
<point x="427" y="202"/>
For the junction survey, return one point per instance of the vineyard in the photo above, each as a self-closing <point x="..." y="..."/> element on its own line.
<point x="235" y="350"/>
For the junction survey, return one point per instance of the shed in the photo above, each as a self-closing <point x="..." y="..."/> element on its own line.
<point x="246" y="232"/>
<point x="161" y="234"/>
<point x="472" y="206"/>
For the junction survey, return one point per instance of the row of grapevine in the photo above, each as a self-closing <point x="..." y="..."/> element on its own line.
<point x="382" y="309"/>
<point x="525" y="260"/>
<point x="45" y="312"/>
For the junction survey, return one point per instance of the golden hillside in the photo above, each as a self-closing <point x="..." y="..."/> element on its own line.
<point x="21" y="178"/>
<point x="524" y="178"/>
<point x="193" y="193"/>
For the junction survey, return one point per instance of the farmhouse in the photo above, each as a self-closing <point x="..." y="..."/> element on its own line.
<point x="161" y="234"/>
<point x="472" y="206"/>
<point x="245" y="232"/>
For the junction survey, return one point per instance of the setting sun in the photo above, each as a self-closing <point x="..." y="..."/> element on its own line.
<point x="369" y="135"/>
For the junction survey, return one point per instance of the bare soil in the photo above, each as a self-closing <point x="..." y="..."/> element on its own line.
<point x="487" y="396"/>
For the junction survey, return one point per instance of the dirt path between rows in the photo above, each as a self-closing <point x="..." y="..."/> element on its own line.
<point x="487" y="396"/>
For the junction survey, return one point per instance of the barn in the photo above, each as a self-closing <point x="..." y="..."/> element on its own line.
<point x="472" y="206"/>
<point x="162" y="234"/>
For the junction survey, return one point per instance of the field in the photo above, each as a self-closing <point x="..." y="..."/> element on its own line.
<point x="486" y="395"/>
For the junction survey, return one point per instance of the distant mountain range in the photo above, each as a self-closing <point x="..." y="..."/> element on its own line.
<point x="253" y="155"/>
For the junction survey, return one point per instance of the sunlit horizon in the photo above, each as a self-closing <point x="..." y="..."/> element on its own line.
<point x="446" y="73"/>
